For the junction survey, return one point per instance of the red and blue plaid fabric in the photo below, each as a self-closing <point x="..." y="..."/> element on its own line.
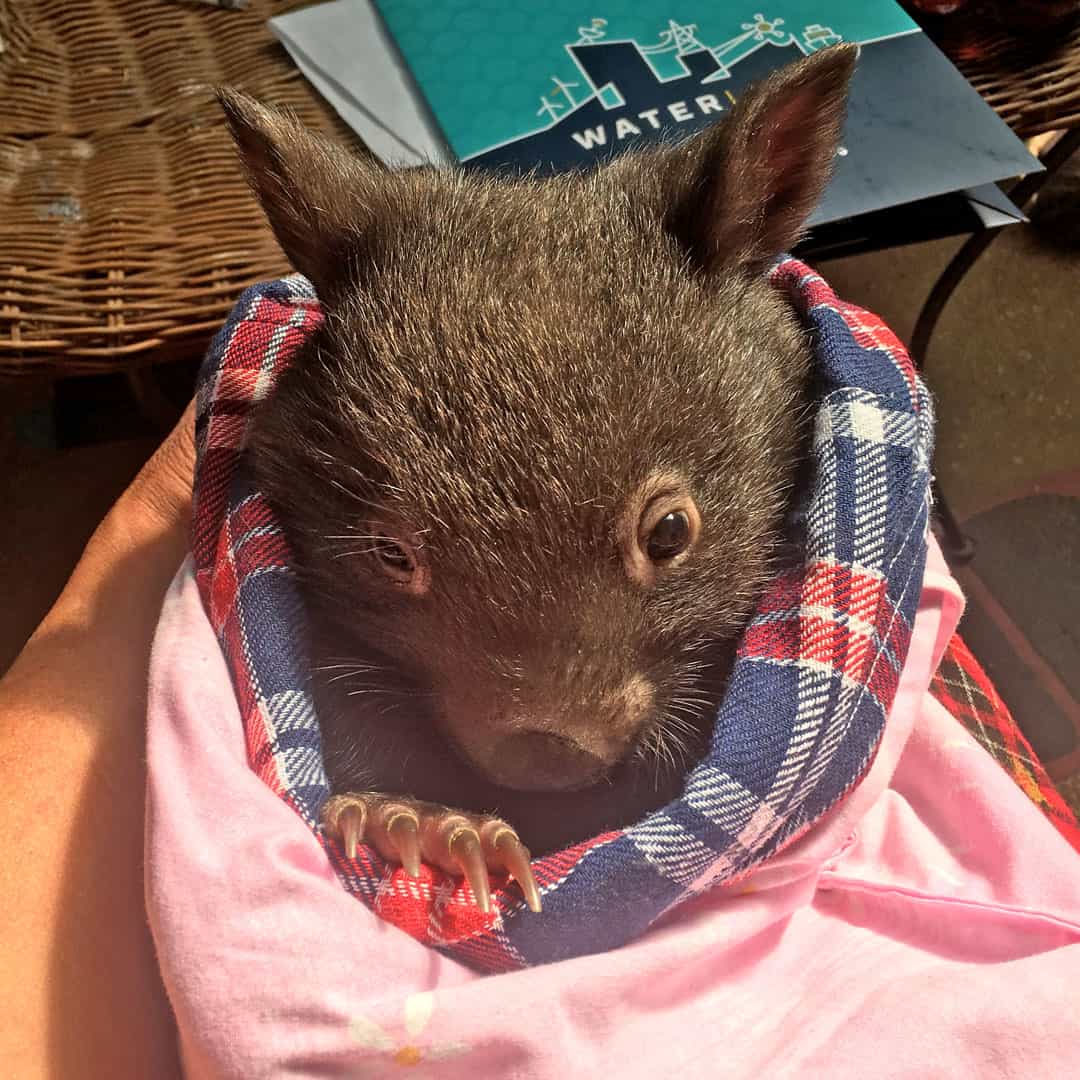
<point x="965" y="690"/>
<point x="800" y="721"/>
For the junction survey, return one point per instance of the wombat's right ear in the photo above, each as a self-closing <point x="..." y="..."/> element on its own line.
<point x="738" y="194"/>
<point x="319" y="197"/>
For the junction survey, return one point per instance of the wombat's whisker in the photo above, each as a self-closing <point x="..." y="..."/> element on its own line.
<point x="354" y="496"/>
<point x="396" y="692"/>
<point x="675" y="745"/>
<point x="349" y="669"/>
<point x="349" y="674"/>
<point x="358" y="536"/>
<point x="688" y="706"/>
<point x="660" y="747"/>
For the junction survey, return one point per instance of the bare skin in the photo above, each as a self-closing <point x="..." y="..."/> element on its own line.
<point x="80" y="990"/>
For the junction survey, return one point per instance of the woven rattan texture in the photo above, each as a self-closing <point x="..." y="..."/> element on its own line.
<point x="126" y="231"/>
<point x="126" y="228"/>
<point x="1031" y="80"/>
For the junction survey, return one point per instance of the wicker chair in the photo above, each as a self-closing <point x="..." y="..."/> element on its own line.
<point x="126" y="228"/>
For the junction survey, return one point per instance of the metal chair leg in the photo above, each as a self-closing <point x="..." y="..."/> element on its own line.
<point x="956" y="545"/>
<point x="1021" y="194"/>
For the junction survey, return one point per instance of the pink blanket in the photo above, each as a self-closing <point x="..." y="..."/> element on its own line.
<point x="929" y="926"/>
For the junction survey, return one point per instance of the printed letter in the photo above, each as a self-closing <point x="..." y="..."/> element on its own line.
<point x="591" y="137"/>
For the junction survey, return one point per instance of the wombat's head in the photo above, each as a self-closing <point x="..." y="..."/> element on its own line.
<point x="536" y="460"/>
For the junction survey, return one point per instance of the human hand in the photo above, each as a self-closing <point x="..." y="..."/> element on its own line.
<point x="163" y="486"/>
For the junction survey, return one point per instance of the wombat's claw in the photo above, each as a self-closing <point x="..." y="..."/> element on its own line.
<point x="515" y="857"/>
<point x="407" y="831"/>
<point x="345" y="819"/>
<point x="350" y="824"/>
<point x="464" y="848"/>
<point x="403" y="832"/>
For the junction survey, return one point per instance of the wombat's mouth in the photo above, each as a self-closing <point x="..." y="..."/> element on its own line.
<point x="539" y="761"/>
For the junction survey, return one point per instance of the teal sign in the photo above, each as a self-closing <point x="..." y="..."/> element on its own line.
<point x="494" y="73"/>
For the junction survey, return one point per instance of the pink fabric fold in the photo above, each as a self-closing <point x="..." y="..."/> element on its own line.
<point x="928" y="926"/>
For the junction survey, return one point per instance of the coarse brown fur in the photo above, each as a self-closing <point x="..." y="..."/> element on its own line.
<point x="507" y="369"/>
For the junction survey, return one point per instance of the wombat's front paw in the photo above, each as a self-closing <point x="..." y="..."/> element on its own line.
<point x="407" y="831"/>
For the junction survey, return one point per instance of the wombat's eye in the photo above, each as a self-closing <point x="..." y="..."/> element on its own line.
<point x="670" y="536"/>
<point x="658" y="528"/>
<point x="668" y="528"/>
<point x="400" y="560"/>
<point x="396" y="559"/>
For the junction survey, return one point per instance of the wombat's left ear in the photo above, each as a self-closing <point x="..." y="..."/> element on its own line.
<point x="322" y="200"/>
<point x="738" y="194"/>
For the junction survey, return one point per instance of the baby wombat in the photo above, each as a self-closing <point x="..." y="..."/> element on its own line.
<point x="534" y="467"/>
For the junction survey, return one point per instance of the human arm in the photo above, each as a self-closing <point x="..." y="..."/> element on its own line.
<point x="80" y="991"/>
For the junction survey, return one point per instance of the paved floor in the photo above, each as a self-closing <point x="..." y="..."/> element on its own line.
<point x="1005" y="367"/>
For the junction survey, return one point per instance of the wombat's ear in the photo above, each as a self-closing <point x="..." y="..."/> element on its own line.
<point x="738" y="194"/>
<point x="319" y="197"/>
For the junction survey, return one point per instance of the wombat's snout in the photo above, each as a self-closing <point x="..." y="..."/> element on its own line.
<point x="556" y="738"/>
<point x="540" y="761"/>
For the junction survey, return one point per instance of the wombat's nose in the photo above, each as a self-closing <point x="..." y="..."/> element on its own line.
<point x="540" y="761"/>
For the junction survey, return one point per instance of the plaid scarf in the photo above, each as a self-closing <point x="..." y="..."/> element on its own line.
<point x="800" y="721"/>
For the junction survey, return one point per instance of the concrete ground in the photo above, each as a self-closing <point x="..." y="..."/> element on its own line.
<point x="1005" y="368"/>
